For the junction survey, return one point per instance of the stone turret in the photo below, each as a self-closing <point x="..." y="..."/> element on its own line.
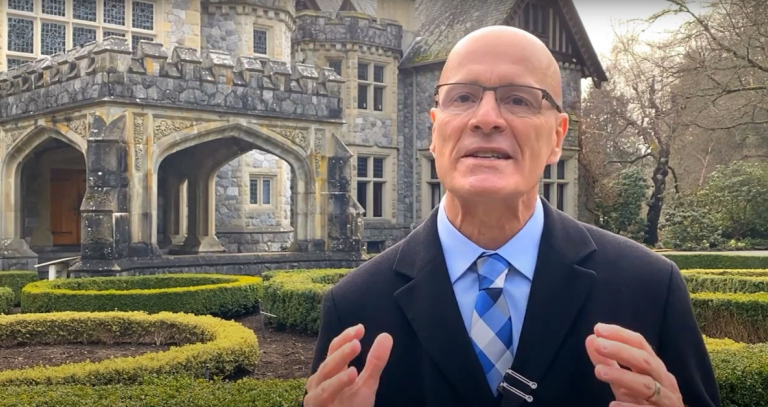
<point x="183" y="77"/>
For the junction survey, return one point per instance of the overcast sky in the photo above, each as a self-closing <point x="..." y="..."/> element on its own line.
<point x="597" y="16"/>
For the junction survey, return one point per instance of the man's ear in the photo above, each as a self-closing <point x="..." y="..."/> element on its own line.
<point x="432" y="117"/>
<point x="560" y="131"/>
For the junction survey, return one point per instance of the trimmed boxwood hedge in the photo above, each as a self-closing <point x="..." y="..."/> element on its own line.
<point x="199" y="294"/>
<point x="741" y="371"/>
<point x="204" y="345"/>
<point x="16" y="280"/>
<point x="7" y="298"/>
<point x="161" y="392"/>
<point x="295" y="297"/>
<point x="726" y="281"/>
<point x="717" y="261"/>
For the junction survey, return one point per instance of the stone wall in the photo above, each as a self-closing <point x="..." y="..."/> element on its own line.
<point x="240" y="264"/>
<point x="426" y="80"/>
<point x="571" y="87"/>
<point x="216" y="81"/>
<point x="381" y="236"/>
<point x="373" y="130"/>
<point x="347" y="27"/>
<point x="181" y="22"/>
<point x="220" y="32"/>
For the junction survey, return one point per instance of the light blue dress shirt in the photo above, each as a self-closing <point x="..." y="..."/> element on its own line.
<point x="521" y="251"/>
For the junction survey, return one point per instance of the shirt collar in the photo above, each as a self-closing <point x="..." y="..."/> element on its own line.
<point x="521" y="251"/>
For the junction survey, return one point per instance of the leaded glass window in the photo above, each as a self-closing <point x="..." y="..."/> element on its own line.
<point x="14" y="62"/>
<point x="21" y="35"/>
<point x="114" y="12"/>
<point x="54" y="7"/>
<point x="22" y="5"/>
<point x="83" y="35"/>
<point x="54" y="38"/>
<point x="260" y="41"/>
<point x="143" y="15"/>
<point x="84" y="10"/>
<point x="136" y="38"/>
<point x="112" y="34"/>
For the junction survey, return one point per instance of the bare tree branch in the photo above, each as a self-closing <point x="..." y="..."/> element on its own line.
<point x="632" y="161"/>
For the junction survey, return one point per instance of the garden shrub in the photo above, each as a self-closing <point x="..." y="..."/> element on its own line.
<point x="295" y="297"/>
<point x="742" y="317"/>
<point x="161" y="392"/>
<point x="203" y="345"/>
<point x="16" y="280"/>
<point x="717" y="261"/>
<point x="726" y="281"/>
<point x="200" y="294"/>
<point x="7" y="298"/>
<point x="741" y="372"/>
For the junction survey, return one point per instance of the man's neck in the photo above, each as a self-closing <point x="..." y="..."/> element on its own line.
<point x="489" y="225"/>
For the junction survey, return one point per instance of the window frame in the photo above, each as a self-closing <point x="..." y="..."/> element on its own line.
<point x="261" y="177"/>
<point x="69" y="22"/>
<point x="268" y="32"/>
<point x="371" y="84"/>
<point x="553" y="183"/>
<point x="369" y="180"/>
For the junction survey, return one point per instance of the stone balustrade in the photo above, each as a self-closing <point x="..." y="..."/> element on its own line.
<point x="183" y="77"/>
<point x="347" y="27"/>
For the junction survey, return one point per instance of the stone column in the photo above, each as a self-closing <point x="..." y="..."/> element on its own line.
<point x="344" y="213"/>
<point x="200" y="228"/>
<point x="174" y="209"/>
<point x="105" y="214"/>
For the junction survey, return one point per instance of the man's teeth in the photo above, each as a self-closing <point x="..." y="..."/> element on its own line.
<point x="490" y="155"/>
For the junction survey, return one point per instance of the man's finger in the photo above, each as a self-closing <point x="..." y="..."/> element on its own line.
<point x="636" y="385"/>
<point x="334" y="364"/>
<point x="633" y="358"/>
<point x="349" y="334"/>
<point x="327" y="392"/>
<point x="594" y="356"/>
<point x="619" y="334"/>
<point x="376" y="361"/>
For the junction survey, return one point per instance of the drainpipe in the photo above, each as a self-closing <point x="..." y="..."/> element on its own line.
<point x="413" y="152"/>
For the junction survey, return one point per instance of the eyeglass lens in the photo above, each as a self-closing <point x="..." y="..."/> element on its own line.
<point x="515" y="100"/>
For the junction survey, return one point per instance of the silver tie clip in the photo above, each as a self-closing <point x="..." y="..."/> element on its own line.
<point x="505" y="386"/>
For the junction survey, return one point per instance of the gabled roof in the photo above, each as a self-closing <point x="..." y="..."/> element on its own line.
<point x="440" y="24"/>
<point x="368" y="7"/>
<point x="329" y="5"/>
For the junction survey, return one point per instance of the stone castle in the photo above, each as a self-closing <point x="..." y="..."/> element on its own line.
<point x="153" y="134"/>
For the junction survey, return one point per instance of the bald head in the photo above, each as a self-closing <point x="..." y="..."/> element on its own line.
<point x="503" y="46"/>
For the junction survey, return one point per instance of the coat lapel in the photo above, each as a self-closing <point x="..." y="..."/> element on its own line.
<point x="430" y="305"/>
<point x="558" y="290"/>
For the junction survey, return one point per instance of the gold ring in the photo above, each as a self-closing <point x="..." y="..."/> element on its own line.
<point x="656" y="391"/>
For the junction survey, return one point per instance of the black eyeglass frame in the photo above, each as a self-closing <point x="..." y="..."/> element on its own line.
<point x="545" y="95"/>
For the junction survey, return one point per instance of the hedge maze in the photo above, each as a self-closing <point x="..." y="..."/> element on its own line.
<point x="189" y="312"/>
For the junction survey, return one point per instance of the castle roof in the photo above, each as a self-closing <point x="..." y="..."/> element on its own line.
<point x="440" y="24"/>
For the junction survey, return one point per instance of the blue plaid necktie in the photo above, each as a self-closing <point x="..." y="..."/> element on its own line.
<point x="491" y="328"/>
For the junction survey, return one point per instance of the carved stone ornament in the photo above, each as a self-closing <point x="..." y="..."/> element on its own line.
<point x="79" y="126"/>
<point x="319" y="143"/>
<point x="166" y="127"/>
<point x="298" y="137"/>
<point x="139" y="138"/>
<point x="12" y="135"/>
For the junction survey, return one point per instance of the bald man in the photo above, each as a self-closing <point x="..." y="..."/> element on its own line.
<point x="498" y="299"/>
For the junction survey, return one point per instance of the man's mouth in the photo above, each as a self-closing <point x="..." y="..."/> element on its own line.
<point x="497" y="155"/>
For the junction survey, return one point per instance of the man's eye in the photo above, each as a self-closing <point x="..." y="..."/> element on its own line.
<point x="464" y="98"/>
<point x="518" y="101"/>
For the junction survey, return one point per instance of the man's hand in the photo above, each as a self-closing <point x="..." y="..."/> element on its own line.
<point x="336" y="385"/>
<point x="644" y="382"/>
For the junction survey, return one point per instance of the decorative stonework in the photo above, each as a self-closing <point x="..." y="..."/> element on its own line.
<point x="165" y="127"/>
<point x="12" y="135"/>
<point x="78" y="126"/>
<point x="298" y="137"/>
<point x="319" y="143"/>
<point x="139" y="138"/>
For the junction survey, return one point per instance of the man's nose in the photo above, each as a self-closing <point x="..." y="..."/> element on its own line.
<point x="487" y="117"/>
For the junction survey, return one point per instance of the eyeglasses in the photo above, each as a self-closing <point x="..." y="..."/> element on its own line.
<point x="517" y="100"/>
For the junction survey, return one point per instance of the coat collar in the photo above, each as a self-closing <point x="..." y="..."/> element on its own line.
<point x="428" y="302"/>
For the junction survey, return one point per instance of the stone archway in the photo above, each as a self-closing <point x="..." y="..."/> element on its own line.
<point x="26" y="144"/>
<point x="222" y="144"/>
